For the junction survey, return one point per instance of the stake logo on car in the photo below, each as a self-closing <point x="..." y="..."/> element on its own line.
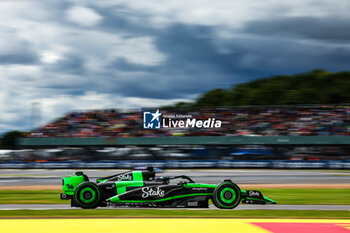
<point x="254" y="193"/>
<point x="150" y="192"/>
<point x="124" y="177"/>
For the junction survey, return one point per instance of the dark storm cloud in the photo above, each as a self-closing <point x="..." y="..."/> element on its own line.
<point x="190" y="49"/>
<point x="198" y="61"/>
<point x="71" y="64"/>
<point x="154" y="86"/>
<point x="123" y="65"/>
<point x="16" y="51"/>
<point x="195" y="62"/>
<point x="272" y="55"/>
<point x="118" y="20"/>
<point x="22" y="58"/>
<point x="193" y="65"/>
<point x="325" y="28"/>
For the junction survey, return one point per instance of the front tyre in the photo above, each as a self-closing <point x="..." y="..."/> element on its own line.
<point x="227" y="195"/>
<point x="87" y="195"/>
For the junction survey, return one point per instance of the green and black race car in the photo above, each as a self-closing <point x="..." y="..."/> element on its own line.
<point x="141" y="188"/>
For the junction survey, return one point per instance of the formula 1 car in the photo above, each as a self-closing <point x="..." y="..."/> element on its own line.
<point x="141" y="188"/>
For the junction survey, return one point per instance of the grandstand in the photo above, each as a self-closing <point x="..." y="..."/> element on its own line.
<point x="256" y="136"/>
<point x="305" y="120"/>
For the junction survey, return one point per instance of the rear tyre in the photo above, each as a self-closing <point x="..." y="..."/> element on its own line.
<point x="73" y="203"/>
<point x="87" y="195"/>
<point x="227" y="195"/>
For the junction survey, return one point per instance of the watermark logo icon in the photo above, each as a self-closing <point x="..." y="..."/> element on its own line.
<point x="151" y="120"/>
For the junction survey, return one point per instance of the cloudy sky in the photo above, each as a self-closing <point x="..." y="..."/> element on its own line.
<point x="88" y="54"/>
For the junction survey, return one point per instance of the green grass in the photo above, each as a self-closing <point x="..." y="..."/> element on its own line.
<point x="148" y="213"/>
<point x="281" y="196"/>
<point x="31" y="197"/>
<point x="308" y="196"/>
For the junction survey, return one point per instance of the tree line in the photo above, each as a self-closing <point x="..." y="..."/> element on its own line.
<point x="314" y="87"/>
<point x="9" y="139"/>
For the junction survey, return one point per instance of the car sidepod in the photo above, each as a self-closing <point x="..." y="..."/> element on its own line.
<point x="170" y="196"/>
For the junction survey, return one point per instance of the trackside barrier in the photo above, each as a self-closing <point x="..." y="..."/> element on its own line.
<point x="277" y="164"/>
<point x="201" y="140"/>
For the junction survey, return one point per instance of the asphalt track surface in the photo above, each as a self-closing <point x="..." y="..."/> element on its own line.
<point x="240" y="176"/>
<point x="240" y="207"/>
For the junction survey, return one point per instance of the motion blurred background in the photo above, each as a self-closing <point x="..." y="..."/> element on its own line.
<point x="264" y="136"/>
<point x="76" y="77"/>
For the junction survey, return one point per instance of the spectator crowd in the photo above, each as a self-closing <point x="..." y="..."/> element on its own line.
<point x="236" y="121"/>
